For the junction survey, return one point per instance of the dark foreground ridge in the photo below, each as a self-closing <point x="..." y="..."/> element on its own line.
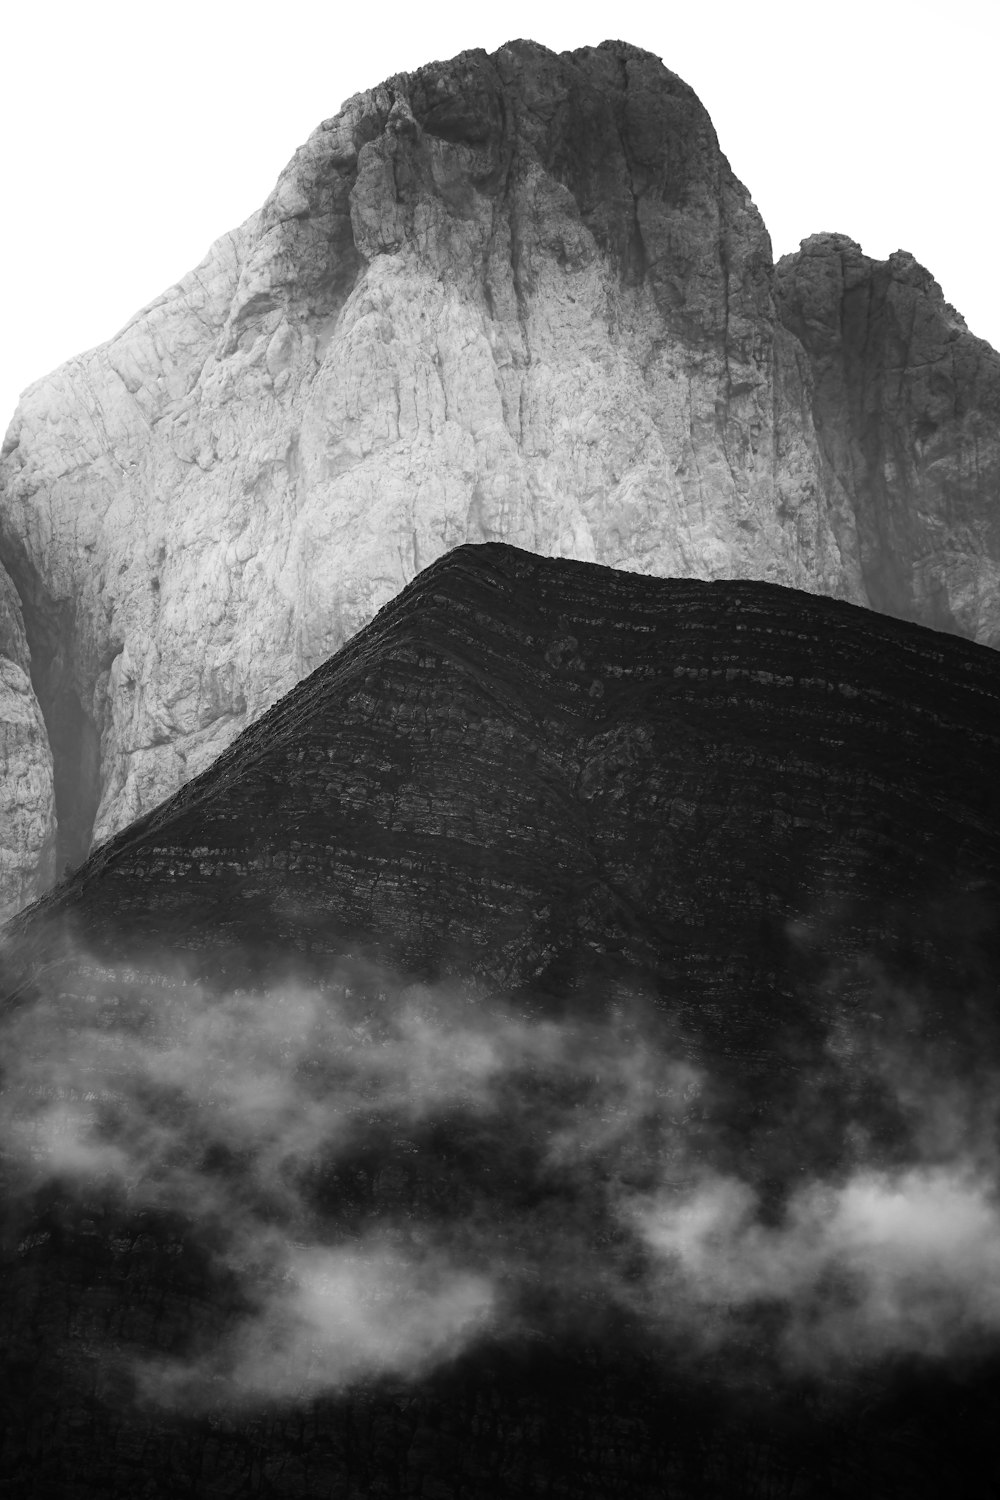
<point x="667" y="912"/>
<point x="526" y="766"/>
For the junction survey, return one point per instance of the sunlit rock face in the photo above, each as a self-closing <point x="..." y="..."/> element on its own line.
<point x="517" y="297"/>
<point x="553" y="1049"/>
<point x="27" y="798"/>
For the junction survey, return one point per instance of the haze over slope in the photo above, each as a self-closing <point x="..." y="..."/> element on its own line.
<point x="518" y="297"/>
<point x="555" y="1046"/>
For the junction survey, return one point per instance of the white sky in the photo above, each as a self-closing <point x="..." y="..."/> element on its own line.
<point x="133" y="134"/>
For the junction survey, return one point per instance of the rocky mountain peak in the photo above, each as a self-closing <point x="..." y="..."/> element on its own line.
<point x="516" y="297"/>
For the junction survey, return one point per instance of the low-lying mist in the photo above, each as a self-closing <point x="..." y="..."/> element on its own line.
<point x="387" y="1174"/>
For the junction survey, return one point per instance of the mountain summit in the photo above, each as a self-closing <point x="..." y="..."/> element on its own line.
<point x="516" y="298"/>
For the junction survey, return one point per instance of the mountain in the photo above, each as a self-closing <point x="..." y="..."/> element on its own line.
<point x="551" y="1051"/>
<point x="517" y="297"/>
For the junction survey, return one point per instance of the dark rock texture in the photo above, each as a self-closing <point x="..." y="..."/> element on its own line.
<point x="725" y="857"/>
<point x="651" y="713"/>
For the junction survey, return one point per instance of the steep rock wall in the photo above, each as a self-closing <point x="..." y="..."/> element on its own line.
<point x="906" y="404"/>
<point x="27" y="799"/>
<point x="517" y="297"/>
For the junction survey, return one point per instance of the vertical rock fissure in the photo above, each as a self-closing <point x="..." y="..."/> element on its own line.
<point x="74" y="739"/>
<point x="637" y="256"/>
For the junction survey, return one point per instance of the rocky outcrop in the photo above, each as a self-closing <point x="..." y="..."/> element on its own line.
<point x="660" y="719"/>
<point x="906" y="404"/>
<point x="558" y="898"/>
<point x="27" y="800"/>
<point x="517" y="297"/>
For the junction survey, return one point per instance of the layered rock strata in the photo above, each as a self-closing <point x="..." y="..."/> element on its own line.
<point x="518" y="297"/>
<point x="718" y="863"/>
<point x="613" y="751"/>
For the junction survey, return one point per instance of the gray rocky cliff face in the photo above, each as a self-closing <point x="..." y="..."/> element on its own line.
<point x="517" y="297"/>
<point x="27" y="796"/>
<point x="906" y="404"/>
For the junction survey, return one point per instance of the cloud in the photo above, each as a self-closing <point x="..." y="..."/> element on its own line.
<point x="884" y="1264"/>
<point x="386" y="1172"/>
<point x="335" y="1316"/>
<point x="233" y="1109"/>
